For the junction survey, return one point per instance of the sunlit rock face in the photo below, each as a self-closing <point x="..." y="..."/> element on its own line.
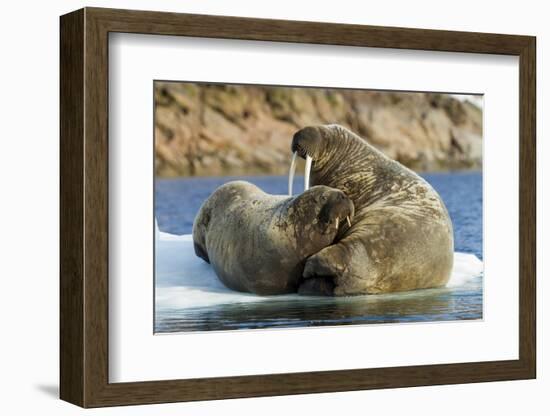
<point x="229" y="129"/>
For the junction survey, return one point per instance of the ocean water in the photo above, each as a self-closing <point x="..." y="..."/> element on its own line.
<point x="178" y="200"/>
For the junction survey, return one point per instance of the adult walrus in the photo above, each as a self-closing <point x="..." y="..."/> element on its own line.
<point x="258" y="243"/>
<point x="401" y="237"/>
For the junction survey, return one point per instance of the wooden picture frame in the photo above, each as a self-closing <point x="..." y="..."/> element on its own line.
<point x="84" y="207"/>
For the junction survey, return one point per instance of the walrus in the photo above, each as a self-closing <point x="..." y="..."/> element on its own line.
<point x="401" y="237"/>
<point x="258" y="243"/>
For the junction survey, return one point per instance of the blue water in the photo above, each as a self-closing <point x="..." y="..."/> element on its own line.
<point x="178" y="200"/>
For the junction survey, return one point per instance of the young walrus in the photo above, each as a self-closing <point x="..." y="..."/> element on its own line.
<point x="258" y="243"/>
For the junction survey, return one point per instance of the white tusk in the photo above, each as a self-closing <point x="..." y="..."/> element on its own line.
<point x="337" y="222"/>
<point x="291" y="173"/>
<point x="349" y="222"/>
<point x="307" y="172"/>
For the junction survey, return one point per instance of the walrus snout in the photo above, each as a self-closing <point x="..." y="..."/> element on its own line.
<point x="305" y="143"/>
<point x="337" y="209"/>
<point x="346" y="209"/>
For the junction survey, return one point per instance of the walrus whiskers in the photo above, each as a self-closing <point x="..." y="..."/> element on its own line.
<point x="291" y="173"/>
<point x="307" y="172"/>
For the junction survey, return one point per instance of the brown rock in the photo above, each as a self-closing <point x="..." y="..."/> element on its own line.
<point x="203" y="129"/>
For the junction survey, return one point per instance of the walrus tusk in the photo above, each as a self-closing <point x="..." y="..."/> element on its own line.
<point x="291" y="173"/>
<point x="337" y="222"/>
<point x="307" y="172"/>
<point x="349" y="221"/>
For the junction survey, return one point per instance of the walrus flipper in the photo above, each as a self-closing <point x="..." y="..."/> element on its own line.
<point x="317" y="286"/>
<point x="201" y="252"/>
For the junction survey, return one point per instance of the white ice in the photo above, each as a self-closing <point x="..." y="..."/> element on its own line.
<point x="183" y="280"/>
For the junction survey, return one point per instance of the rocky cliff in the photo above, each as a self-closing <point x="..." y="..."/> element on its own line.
<point x="204" y="129"/>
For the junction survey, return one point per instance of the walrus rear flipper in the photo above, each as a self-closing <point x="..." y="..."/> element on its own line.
<point x="317" y="286"/>
<point x="201" y="252"/>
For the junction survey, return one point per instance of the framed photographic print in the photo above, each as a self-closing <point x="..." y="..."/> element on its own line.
<point x="256" y="207"/>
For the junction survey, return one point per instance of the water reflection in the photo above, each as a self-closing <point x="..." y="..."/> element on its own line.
<point x="464" y="303"/>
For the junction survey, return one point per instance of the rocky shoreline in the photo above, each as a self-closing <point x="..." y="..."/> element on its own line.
<point x="212" y="130"/>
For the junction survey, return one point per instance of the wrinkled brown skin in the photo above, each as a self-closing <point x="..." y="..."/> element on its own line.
<point x="258" y="243"/>
<point x="401" y="237"/>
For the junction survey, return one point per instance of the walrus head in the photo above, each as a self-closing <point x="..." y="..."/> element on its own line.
<point x="333" y="209"/>
<point x="308" y="142"/>
<point x="313" y="144"/>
